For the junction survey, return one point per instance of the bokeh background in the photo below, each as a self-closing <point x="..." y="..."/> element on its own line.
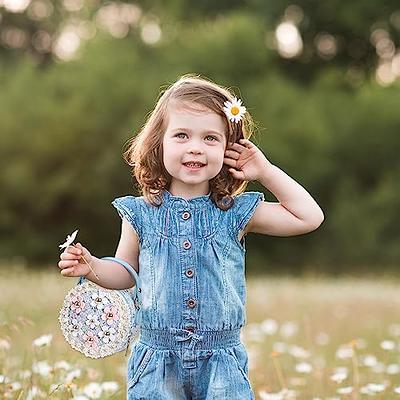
<point x="321" y="79"/>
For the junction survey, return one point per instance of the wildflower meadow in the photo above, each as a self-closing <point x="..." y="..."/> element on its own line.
<point x="307" y="338"/>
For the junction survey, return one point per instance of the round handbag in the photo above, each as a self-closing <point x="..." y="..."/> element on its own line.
<point x="98" y="321"/>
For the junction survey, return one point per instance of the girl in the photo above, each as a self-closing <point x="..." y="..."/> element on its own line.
<point x="185" y="236"/>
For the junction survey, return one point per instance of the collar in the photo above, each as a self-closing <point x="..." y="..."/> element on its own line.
<point x="177" y="201"/>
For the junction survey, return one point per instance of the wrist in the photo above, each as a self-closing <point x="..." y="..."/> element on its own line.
<point x="266" y="174"/>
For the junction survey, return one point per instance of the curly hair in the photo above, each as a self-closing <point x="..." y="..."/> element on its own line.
<point x="145" y="150"/>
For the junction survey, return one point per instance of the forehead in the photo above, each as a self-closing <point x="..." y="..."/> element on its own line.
<point x="190" y="115"/>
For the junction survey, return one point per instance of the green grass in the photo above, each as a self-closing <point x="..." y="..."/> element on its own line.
<point x="314" y="318"/>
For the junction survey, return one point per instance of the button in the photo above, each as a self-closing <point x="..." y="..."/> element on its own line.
<point x="191" y="303"/>
<point x="190" y="328"/>
<point x="189" y="273"/>
<point x="187" y="244"/>
<point x="186" y="215"/>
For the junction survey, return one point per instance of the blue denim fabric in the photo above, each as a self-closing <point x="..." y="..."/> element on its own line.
<point x="192" y="271"/>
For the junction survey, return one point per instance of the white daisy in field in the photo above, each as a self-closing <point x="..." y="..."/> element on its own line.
<point x="393" y="369"/>
<point x="339" y="375"/>
<point x="69" y="240"/>
<point x="388" y="345"/>
<point x="42" y="368"/>
<point x="75" y="373"/>
<point x="298" y="352"/>
<point x="372" y="388"/>
<point x="269" y="326"/>
<point x="110" y="386"/>
<point x="63" y="365"/>
<point x="93" y="390"/>
<point x="43" y="341"/>
<point x="345" y="390"/>
<point x="5" y="344"/>
<point x="303" y="368"/>
<point x="344" y="352"/>
<point x="288" y="329"/>
<point x="234" y="109"/>
<point x="369" y="360"/>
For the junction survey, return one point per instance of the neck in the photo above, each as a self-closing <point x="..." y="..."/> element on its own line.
<point x="189" y="193"/>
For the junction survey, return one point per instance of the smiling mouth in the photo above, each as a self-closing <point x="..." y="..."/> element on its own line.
<point x="194" y="165"/>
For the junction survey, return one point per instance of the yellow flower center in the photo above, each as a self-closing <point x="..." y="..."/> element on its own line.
<point x="235" y="110"/>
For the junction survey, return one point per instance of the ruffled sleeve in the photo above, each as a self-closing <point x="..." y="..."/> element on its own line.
<point x="244" y="207"/>
<point x="128" y="208"/>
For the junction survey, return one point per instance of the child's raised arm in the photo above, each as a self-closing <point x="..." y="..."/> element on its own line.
<point x="296" y="212"/>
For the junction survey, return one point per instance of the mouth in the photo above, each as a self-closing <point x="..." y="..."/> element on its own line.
<point x="194" y="165"/>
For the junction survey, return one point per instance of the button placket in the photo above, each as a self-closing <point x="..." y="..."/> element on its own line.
<point x="188" y="284"/>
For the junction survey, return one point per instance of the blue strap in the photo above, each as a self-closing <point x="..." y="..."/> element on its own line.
<point x="128" y="267"/>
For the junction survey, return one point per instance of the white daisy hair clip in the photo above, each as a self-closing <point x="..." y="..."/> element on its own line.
<point x="234" y="109"/>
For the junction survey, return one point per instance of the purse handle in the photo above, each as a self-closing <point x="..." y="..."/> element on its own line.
<point x="128" y="267"/>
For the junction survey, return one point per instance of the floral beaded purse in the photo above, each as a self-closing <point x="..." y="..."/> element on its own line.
<point x="98" y="321"/>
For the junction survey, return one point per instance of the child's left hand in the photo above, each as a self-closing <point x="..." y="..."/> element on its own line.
<point x="247" y="160"/>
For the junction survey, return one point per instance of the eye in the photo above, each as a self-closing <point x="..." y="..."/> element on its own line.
<point x="180" y="133"/>
<point x="214" y="137"/>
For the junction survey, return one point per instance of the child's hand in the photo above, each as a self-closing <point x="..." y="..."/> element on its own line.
<point x="72" y="263"/>
<point x="247" y="160"/>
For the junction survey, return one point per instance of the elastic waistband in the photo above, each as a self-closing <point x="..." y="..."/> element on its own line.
<point x="177" y="338"/>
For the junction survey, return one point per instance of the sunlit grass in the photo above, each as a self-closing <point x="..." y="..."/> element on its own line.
<point x="306" y="339"/>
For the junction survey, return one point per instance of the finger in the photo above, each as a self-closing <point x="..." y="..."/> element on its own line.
<point x="237" y="174"/>
<point x="67" y="264"/>
<point x="230" y="162"/>
<point x="237" y="147"/>
<point x="69" y="256"/>
<point x="72" y="250"/>
<point x="233" y="154"/>
<point x="68" y="272"/>
<point x="247" y="143"/>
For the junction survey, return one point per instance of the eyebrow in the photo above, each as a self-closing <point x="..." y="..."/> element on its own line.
<point x="208" y="131"/>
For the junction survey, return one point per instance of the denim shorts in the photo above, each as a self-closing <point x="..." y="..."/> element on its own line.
<point x="177" y="364"/>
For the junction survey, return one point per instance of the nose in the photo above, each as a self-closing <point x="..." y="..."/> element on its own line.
<point x="196" y="150"/>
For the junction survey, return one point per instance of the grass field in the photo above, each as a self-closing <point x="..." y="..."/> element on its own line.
<point x="306" y="339"/>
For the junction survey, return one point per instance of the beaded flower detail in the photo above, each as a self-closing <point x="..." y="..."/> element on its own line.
<point x="98" y="321"/>
<point x="234" y="109"/>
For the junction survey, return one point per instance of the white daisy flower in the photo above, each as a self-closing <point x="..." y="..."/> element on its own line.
<point x="234" y="109"/>
<point x="75" y="373"/>
<point x="93" y="390"/>
<point x="304" y="368"/>
<point x="69" y="240"/>
<point x="339" y="375"/>
<point x="269" y="326"/>
<point x="42" y="368"/>
<point x="345" y="390"/>
<point x="388" y="345"/>
<point x="110" y="386"/>
<point x="43" y="341"/>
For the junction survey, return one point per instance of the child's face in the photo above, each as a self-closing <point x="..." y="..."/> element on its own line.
<point x="193" y="135"/>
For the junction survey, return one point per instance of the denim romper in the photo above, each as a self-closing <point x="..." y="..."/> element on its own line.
<point x="192" y="271"/>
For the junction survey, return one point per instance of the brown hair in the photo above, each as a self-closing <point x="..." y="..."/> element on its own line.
<point x="145" y="151"/>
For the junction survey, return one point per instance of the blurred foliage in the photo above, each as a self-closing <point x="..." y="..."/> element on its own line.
<point x="63" y="126"/>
